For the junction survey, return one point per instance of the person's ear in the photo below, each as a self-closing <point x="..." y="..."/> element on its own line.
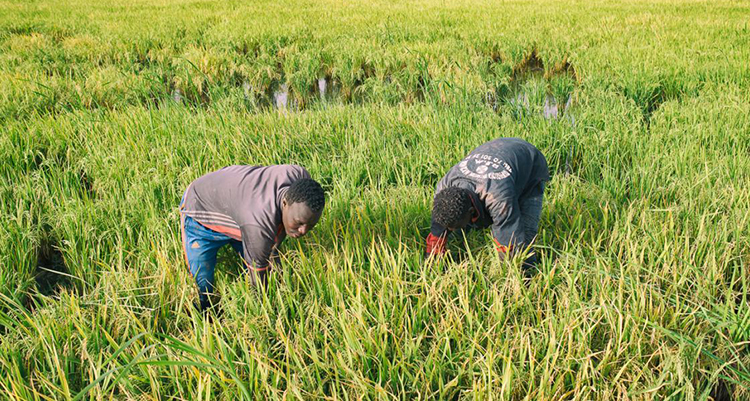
<point x="283" y="203"/>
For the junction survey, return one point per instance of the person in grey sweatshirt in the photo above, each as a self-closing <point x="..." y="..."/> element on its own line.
<point x="251" y="208"/>
<point x="500" y="184"/>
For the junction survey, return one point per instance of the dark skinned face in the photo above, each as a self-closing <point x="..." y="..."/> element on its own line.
<point x="298" y="219"/>
<point x="464" y="221"/>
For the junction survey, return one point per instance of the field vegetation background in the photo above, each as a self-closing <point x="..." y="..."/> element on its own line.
<point x="109" y="109"/>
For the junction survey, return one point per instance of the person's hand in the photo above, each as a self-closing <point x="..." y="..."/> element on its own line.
<point x="434" y="246"/>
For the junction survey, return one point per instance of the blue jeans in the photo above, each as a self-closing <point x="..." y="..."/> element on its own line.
<point x="201" y="246"/>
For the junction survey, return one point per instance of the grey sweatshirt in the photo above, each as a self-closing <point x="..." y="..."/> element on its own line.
<point x="244" y="203"/>
<point x="497" y="173"/>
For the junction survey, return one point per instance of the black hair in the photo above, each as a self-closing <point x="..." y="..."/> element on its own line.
<point x="450" y="206"/>
<point x="307" y="191"/>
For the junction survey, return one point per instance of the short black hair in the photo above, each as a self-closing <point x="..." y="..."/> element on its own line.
<point x="450" y="206"/>
<point x="307" y="191"/>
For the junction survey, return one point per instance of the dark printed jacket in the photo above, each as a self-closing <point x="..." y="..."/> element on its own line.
<point x="497" y="173"/>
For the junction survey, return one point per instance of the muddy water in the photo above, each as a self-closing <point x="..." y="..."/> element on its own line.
<point x="247" y="89"/>
<point x="322" y="86"/>
<point x="281" y="97"/>
<point x="524" y="103"/>
<point x="550" y="109"/>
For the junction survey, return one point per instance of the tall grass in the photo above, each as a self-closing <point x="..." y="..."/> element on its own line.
<point x="642" y="291"/>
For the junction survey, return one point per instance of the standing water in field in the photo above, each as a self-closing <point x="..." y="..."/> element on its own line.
<point x="530" y="100"/>
<point x="177" y="96"/>
<point x="322" y="86"/>
<point x="284" y="99"/>
<point x="570" y="115"/>
<point x="550" y="108"/>
<point x="532" y="90"/>
<point x="519" y="102"/>
<point x="532" y="93"/>
<point x="281" y="96"/>
<point x="537" y="97"/>
<point x="328" y="89"/>
<point x="247" y="89"/>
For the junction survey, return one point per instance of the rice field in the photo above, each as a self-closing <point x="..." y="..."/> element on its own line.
<point x="110" y="109"/>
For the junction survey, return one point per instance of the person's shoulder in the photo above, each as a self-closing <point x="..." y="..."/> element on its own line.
<point x="508" y="145"/>
<point x="509" y="141"/>
<point x="296" y="170"/>
<point x="292" y="171"/>
<point x="240" y="168"/>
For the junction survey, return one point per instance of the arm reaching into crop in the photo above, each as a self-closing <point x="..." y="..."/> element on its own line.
<point x="435" y="242"/>
<point x="258" y="249"/>
<point x="507" y="229"/>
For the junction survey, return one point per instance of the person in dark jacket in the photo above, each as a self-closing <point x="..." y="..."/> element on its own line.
<point x="499" y="184"/>
<point x="251" y="208"/>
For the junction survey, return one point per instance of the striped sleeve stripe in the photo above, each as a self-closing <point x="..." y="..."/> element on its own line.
<point x="215" y="219"/>
<point x="206" y="212"/>
<point x="231" y="232"/>
<point x="206" y="222"/>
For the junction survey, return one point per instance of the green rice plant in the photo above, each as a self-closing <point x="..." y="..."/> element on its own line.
<point x="110" y="110"/>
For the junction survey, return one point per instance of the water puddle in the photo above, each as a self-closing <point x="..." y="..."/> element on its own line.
<point x="533" y="95"/>
<point x="281" y="97"/>
<point x="328" y="89"/>
<point x="284" y="101"/>
<point x="532" y="90"/>
<point x="524" y="105"/>
<point x="550" y="108"/>
<point x="177" y="96"/>
<point x="322" y="86"/>
<point x="247" y="89"/>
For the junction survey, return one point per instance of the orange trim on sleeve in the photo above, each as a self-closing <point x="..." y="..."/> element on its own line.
<point x="228" y="231"/>
<point x="257" y="269"/>
<point x="502" y="248"/>
<point x="435" y="244"/>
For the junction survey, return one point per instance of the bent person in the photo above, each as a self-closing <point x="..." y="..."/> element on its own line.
<point x="251" y="208"/>
<point x="499" y="184"/>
